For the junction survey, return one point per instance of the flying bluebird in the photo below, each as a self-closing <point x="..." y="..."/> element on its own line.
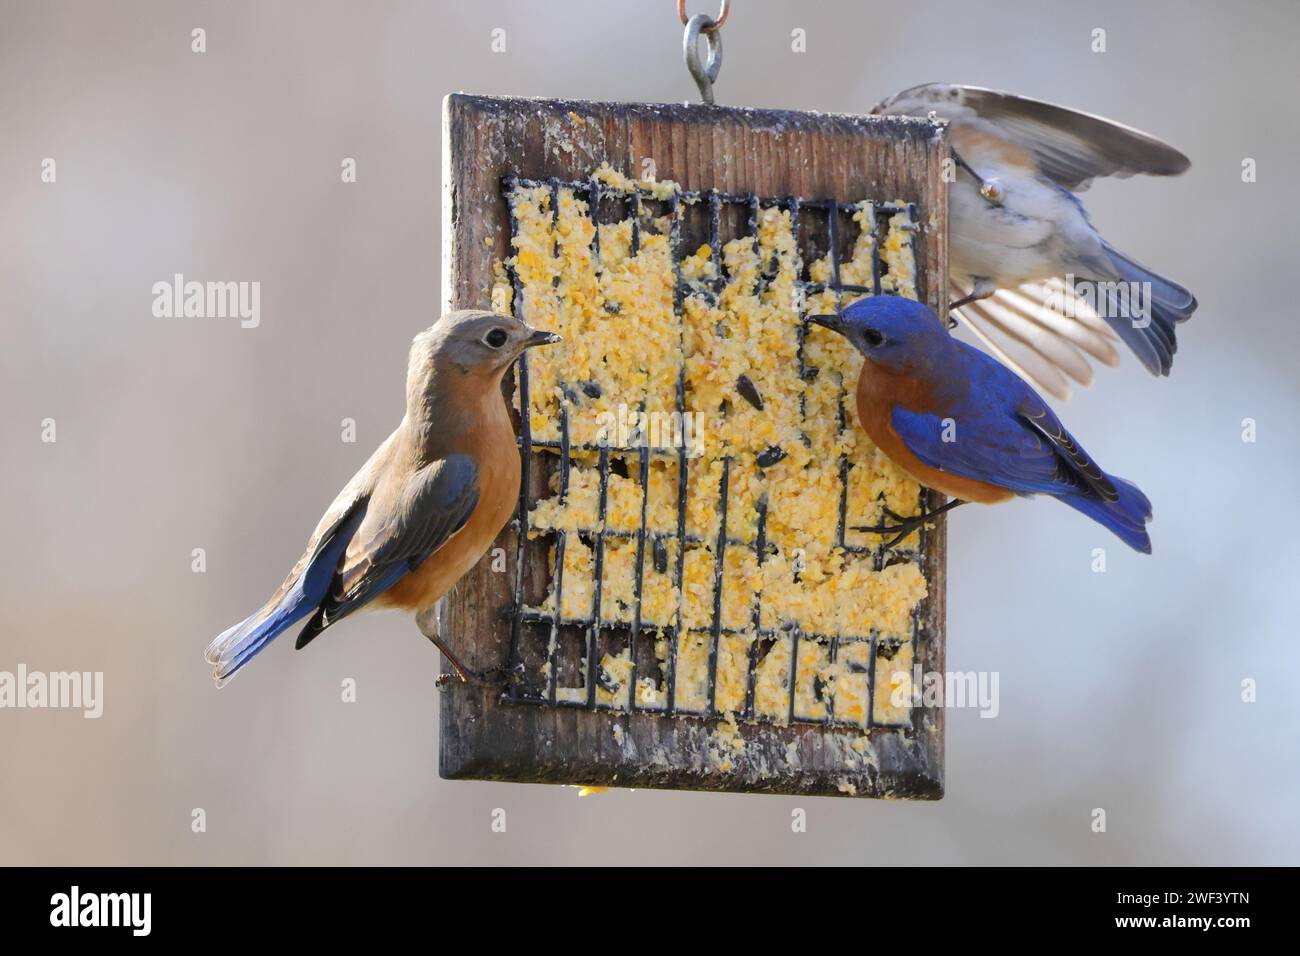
<point x="965" y="425"/>
<point x="1019" y="234"/>
<point x="423" y="509"/>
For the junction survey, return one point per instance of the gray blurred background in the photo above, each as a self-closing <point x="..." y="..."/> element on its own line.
<point x="1119" y="690"/>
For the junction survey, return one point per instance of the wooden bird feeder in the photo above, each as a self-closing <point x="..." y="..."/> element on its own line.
<point x="729" y="165"/>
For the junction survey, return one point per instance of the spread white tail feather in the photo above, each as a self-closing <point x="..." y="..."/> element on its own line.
<point x="1082" y="311"/>
<point x="1034" y="301"/>
<point x="1028" y="331"/>
<point x="1064" y="356"/>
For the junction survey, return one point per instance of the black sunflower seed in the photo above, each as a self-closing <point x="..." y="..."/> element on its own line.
<point x="749" y="391"/>
<point x="769" y="457"/>
<point x="661" y="556"/>
<point x="592" y="389"/>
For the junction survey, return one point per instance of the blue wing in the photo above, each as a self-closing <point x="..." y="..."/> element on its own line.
<point x="1004" y="434"/>
<point x="435" y="504"/>
<point x="300" y="595"/>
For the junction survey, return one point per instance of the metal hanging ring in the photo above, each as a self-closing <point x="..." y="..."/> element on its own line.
<point x="715" y="25"/>
<point x="706" y="74"/>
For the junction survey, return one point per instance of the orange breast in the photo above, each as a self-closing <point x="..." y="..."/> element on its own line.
<point x="878" y="392"/>
<point x="497" y="457"/>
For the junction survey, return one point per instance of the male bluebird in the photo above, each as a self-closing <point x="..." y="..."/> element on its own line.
<point x="963" y="424"/>
<point x="1018" y="232"/>
<point x="423" y="509"/>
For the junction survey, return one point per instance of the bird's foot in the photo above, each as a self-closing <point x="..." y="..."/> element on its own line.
<point x="905" y="526"/>
<point x="956" y="304"/>
<point x="900" y="530"/>
<point x="496" y="677"/>
<point x="982" y="290"/>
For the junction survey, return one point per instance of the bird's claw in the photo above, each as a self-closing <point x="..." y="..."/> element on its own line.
<point x="496" y="677"/>
<point x="903" y="530"/>
<point x="902" y="523"/>
<point x="980" y="293"/>
<point x="905" y="526"/>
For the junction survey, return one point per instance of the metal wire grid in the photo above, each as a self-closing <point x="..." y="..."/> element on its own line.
<point x="547" y="625"/>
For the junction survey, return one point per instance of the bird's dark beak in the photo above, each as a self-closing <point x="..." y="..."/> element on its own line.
<point x="540" y="337"/>
<point x="833" y="322"/>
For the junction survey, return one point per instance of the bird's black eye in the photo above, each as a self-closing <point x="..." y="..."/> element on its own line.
<point x="873" y="338"/>
<point x="496" y="338"/>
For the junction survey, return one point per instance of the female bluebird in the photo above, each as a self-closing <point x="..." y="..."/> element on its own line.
<point x="423" y="509"/>
<point x="963" y="424"/>
<point x="1019" y="234"/>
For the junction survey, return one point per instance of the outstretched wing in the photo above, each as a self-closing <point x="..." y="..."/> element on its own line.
<point x="1069" y="146"/>
<point x="433" y="505"/>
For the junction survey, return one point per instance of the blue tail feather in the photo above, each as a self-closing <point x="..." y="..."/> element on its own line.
<point x="240" y="644"/>
<point x="1156" y="342"/>
<point x="1127" y="517"/>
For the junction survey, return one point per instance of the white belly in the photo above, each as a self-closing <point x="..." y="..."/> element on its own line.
<point x="1029" y="236"/>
